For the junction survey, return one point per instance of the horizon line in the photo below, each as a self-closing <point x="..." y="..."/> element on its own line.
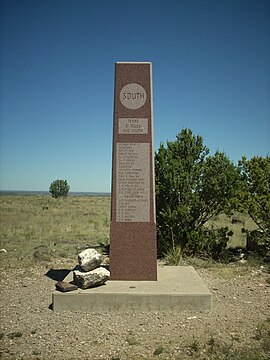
<point x="47" y="191"/>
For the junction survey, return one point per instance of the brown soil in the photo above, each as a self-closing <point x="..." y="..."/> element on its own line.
<point x="31" y="330"/>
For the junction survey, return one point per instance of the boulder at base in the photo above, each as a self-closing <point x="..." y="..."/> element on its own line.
<point x="90" y="279"/>
<point x="89" y="259"/>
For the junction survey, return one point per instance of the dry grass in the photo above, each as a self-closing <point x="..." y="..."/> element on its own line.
<point x="42" y="228"/>
<point x="36" y="228"/>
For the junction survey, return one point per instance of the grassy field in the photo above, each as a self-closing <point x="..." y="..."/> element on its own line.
<point x="235" y="223"/>
<point x="35" y="228"/>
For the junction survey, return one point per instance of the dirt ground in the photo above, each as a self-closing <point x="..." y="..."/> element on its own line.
<point x="234" y="329"/>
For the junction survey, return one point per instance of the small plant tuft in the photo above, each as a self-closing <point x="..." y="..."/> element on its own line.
<point x="212" y="344"/>
<point x="263" y="334"/>
<point x="159" y="350"/>
<point x="41" y="253"/>
<point x="194" y="345"/>
<point x="174" y="256"/>
<point x="36" y="352"/>
<point x="15" y="334"/>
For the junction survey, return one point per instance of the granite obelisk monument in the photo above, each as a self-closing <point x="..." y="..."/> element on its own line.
<point x="133" y="254"/>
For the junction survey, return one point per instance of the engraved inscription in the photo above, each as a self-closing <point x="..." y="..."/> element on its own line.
<point x="133" y="96"/>
<point x="133" y="182"/>
<point x="133" y="126"/>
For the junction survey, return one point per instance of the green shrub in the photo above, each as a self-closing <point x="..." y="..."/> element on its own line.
<point x="258" y="241"/>
<point x="191" y="188"/>
<point x="253" y="197"/>
<point x="59" y="188"/>
<point x="208" y="242"/>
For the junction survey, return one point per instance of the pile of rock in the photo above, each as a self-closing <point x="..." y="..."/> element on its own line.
<point x="88" y="274"/>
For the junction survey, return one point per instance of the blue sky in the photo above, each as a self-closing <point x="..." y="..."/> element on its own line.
<point x="211" y="73"/>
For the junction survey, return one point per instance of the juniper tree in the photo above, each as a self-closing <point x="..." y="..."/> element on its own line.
<point x="191" y="188"/>
<point x="59" y="188"/>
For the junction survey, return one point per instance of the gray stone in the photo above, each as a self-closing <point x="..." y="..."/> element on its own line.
<point x="89" y="259"/>
<point x="65" y="286"/>
<point x="92" y="278"/>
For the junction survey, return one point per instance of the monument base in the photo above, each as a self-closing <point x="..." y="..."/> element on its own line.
<point x="178" y="288"/>
<point x="133" y="254"/>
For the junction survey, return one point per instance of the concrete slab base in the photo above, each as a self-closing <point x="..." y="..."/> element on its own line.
<point x="177" y="288"/>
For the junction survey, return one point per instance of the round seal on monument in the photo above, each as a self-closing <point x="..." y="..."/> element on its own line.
<point x="133" y="96"/>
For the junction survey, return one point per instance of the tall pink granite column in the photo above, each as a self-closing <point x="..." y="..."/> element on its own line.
<point x="133" y="253"/>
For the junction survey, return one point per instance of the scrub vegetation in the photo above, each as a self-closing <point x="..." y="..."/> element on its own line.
<point x="41" y="228"/>
<point x="193" y="190"/>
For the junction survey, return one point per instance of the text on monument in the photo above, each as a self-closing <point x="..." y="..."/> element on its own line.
<point x="133" y="182"/>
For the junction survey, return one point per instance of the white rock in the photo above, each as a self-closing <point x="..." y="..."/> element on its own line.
<point x="242" y="261"/>
<point x="92" y="278"/>
<point x="89" y="259"/>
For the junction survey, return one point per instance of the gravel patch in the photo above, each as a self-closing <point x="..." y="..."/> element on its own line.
<point x="31" y="330"/>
